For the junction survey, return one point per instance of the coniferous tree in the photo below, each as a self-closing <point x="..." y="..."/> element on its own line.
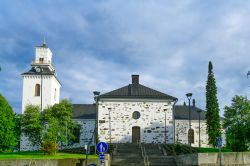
<point x="212" y="108"/>
<point x="7" y="125"/>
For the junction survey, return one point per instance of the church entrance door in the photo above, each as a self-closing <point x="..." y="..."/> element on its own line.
<point x="136" y="134"/>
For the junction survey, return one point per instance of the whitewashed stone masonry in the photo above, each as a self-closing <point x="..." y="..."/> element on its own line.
<point x="151" y="121"/>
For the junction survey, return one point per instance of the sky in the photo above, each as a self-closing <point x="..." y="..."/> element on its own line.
<point x="98" y="44"/>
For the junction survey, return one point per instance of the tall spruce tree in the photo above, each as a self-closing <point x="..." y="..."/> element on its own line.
<point x="212" y="108"/>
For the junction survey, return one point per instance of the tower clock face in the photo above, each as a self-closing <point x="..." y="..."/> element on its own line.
<point x="37" y="69"/>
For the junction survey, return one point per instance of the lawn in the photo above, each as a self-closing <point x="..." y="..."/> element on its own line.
<point x="209" y="150"/>
<point x="40" y="155"/>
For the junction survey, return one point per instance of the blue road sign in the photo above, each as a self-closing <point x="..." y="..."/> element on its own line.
<point x="102" y="147"/>
<point x="219" y="142"/>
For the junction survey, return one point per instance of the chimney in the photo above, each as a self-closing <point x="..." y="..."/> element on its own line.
<point x="193" y="102"/>
<point x="135" y="79"/>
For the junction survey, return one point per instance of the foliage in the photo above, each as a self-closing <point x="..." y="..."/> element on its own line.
<point x="7" y="125"/>
<point x="211" y="150"/>
<point x="32" y="124"/>
<point x="176" y="149"/>
<point x="50" y="128"/>
<point x="212" y="107"/>
<point x="17" y="130"/>
<point x="237" y="123"/>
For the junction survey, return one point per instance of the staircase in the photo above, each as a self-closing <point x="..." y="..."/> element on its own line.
<point x="127" y="155"/>
<point x="156" y="156"/>
<point x="131" y="155"/>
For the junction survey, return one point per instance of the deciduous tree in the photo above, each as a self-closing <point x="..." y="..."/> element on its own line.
<point x="237" y="123"/>
<point x="51" y="128"/>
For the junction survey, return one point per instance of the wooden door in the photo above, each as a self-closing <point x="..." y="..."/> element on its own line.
<point x="136" y="134"/>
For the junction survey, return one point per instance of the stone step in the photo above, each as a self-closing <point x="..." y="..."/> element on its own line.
<point x="163" y="164"/>
<point x="128" y="160"/>
<point x="154" y="152"/>
<point x="160" y="157"/>
<point x="126" y="155"/>
<point x="161" y="160"/>
<point x="127" y="164"/>
<point x="128" y="151"/>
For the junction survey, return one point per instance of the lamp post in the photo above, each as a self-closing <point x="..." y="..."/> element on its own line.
<point x="189" y="96"/>
<point x="165" y="111"/>
<point x="109" y="126"/>
<point x="199" y="114"/>
<point x="175" y="101"/>
<point x="96" y="94"/>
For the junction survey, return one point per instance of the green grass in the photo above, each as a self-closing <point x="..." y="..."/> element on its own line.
<point x="210" y="150"/>
<point x="40" y="155"/>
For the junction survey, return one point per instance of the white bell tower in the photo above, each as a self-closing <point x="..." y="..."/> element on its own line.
<point x="40" y="84"/>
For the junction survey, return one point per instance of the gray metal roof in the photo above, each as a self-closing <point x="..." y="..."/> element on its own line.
<point x="181" y="112"/>
<point x="136" y="91"/>
<point x="45" y="71"/>
<point x="84" y="111"/>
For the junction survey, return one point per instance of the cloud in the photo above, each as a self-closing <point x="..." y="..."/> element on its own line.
<point x="97" y="45"/>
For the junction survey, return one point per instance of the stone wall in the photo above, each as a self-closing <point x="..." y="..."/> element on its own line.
<point x="151" y="121"/>
<point x="53" y="162"/>
<point x="86" y="130"/>
<point x="26" y="145"/>
<point x="181" y="132"/>
<point x="212" y="159"/>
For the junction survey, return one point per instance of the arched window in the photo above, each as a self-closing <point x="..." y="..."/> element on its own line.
<point x="37" y="90"/>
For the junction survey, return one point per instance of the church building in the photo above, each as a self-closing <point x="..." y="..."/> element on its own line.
<point x="130" y="114"/>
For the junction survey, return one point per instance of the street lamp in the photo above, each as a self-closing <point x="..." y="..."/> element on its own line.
<point x="96" y="94"/>
<point x="199" y="113"/>
<point x="175" y="101"/>
<point x="39" y="69"/>
<point x="189" y="96"/>
<point x="109" y="126"/>
<point x="165" y="111"/>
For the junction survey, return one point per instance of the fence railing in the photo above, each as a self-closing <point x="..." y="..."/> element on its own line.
<point x="144" y="155"/>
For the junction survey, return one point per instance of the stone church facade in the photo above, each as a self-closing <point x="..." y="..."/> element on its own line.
<point x="130" y="114"/>
<point x="135" y="113"/>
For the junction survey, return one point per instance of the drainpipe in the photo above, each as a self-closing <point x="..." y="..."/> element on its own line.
<point x="175" y="101"/>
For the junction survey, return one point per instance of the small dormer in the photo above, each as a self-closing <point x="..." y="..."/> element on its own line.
<point x="43" y="54"/>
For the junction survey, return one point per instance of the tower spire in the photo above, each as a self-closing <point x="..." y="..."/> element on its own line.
<point x="44" y="42"/>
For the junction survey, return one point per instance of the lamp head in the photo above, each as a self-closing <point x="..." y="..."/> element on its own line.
<point x="96" y="93"/>
<point x="189" y="95"/>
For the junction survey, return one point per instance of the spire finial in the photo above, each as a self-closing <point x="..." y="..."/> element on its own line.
<point x="44" y="42"/>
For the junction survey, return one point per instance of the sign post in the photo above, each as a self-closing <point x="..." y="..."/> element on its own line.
<point x="102" y="147"/>
<point x="219" y="144"/>
<point x="87" y="149"/>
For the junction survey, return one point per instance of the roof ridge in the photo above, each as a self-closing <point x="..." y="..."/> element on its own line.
<point x="136" y="91"/>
